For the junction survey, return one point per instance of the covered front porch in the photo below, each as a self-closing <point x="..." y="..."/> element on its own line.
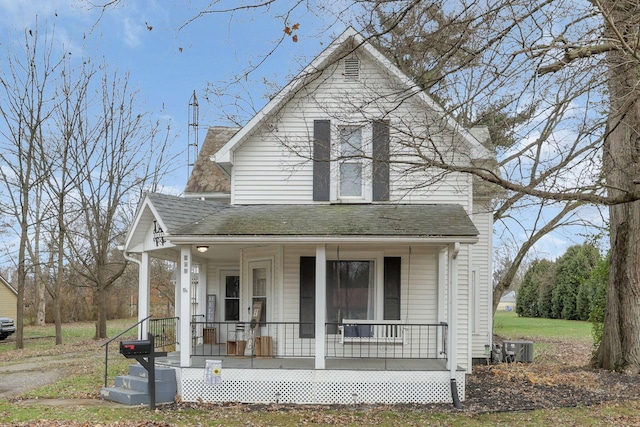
<point x="296" y="311"/>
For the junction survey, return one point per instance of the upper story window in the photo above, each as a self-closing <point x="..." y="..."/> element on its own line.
<point x="351" y="162"/>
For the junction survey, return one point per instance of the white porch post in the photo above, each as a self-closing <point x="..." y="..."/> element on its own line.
<point x="202" y="289"/>
<point x="452" y="359"/>
<point x="442" y="288"/>
<point x="185" y="306"/>
<point x="144" y="291"/>
<point x="321" y="304"/>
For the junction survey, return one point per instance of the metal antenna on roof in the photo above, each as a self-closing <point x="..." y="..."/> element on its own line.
<point x="192" y="149"/>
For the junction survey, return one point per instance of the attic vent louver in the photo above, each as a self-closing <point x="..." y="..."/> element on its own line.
<point x="351" y="68"/>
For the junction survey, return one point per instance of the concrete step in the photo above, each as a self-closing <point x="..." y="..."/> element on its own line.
<point x="127" y="397"/>
<point x="131" y="382"/>
<point x="137" y="370"/>
<point x="132" y="389"/>
<point x="133" y="397"/>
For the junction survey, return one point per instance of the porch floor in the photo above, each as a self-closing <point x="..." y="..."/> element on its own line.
<point x="358" y="364"/>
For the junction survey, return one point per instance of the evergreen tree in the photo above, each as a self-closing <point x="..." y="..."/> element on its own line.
<point x="572" y="270"/>
<point x="537" y="277"/>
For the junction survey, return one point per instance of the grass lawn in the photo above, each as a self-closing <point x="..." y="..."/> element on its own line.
<point x="44" y="337"/>
<point x="87" y="380"/>
<point x="510" y="325"/>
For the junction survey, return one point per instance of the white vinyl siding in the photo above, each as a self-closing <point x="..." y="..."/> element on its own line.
<point x="273" y="166"/>
<point x="482" y="253"/>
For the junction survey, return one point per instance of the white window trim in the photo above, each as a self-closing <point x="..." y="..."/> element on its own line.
<point x="269" y="265"/>
<point x="378" y="276"/>
<point x="367" y="171"/>
<point x="223" y="291"/>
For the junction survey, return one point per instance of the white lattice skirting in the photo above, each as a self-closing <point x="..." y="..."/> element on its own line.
<point x="319" y="386"/>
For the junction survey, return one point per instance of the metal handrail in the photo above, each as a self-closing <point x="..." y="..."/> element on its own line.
<point x="106" y="346"/>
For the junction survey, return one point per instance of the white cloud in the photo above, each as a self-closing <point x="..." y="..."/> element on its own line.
<point x="133" y="31"/>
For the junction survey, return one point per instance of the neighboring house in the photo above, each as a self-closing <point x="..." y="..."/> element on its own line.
<point x="337" y="266"/>
<point x="508" y="302"/>
<point x="8" y="299"/>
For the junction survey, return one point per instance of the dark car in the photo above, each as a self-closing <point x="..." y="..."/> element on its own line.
<point x="7" y="327"/>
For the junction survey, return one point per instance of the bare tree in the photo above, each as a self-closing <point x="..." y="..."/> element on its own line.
<point x="26" y="103"/>
<point x="73" y="92"/>
<point x="117" y="154"/>
<point x="74" y="163"/>
<point x="620" y="346"/>
<point x="428" y="45"/>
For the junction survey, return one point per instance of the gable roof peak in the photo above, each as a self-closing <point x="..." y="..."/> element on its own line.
<point x="224" y="158"/>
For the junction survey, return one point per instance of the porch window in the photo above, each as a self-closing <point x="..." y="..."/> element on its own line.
<point x="350" y="292"/>
<point x="232" y="298"/>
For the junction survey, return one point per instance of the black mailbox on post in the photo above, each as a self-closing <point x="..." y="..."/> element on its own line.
<point x="144" y="352"/>
<point x="136" y="348"/>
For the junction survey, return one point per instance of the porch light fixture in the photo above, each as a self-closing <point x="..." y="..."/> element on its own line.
<point x="202" y="249"/>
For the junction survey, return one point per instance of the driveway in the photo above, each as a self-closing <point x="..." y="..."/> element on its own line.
<point x="18" y="378"/>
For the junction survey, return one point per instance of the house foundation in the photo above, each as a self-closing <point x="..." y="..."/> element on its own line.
<point x="324" y="387"/>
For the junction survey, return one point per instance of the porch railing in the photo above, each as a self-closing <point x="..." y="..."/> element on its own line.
<point x="165" y="333"/>
<point x="386" y="340"/>
<point x="350" y="339"/>
<point x="271" y="339"/>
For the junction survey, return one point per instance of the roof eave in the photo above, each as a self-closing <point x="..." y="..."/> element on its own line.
<point x="208" y="239"/>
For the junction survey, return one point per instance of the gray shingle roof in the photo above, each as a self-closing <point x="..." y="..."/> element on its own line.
<point x="188" y="217"/>
<point x="177" y="212"/>
<point x="206" y="177"/>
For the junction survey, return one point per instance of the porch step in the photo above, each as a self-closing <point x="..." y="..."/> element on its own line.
<point x="132" y="389"/>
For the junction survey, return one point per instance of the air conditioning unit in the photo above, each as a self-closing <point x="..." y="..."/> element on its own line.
<point x="518" y="351"/>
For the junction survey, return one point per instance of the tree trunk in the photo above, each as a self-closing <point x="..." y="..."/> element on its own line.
<point x="39" y="276"/>
<point x="620" y="346"/>
<point x="101" y="318"/>
<point x="502" y="286"/>
<point x="41" y="301"/>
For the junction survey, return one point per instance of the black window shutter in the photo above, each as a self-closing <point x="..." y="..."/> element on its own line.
<point x="321" y="157"/>
<point x="392" y="288"/>
<point x="381" y="160"/>
<point x="307" y="297"/>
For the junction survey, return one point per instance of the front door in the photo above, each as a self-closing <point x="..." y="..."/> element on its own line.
<point x="260" y="292"/>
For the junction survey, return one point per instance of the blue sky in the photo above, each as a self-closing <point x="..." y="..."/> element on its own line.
<point x="166" y="62"/>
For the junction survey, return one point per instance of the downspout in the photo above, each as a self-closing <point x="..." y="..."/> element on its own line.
<point x="129" y="257"/>
<point x="126" y="256"/>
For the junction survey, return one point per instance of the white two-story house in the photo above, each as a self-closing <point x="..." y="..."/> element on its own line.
<point x="349" y="260"/>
